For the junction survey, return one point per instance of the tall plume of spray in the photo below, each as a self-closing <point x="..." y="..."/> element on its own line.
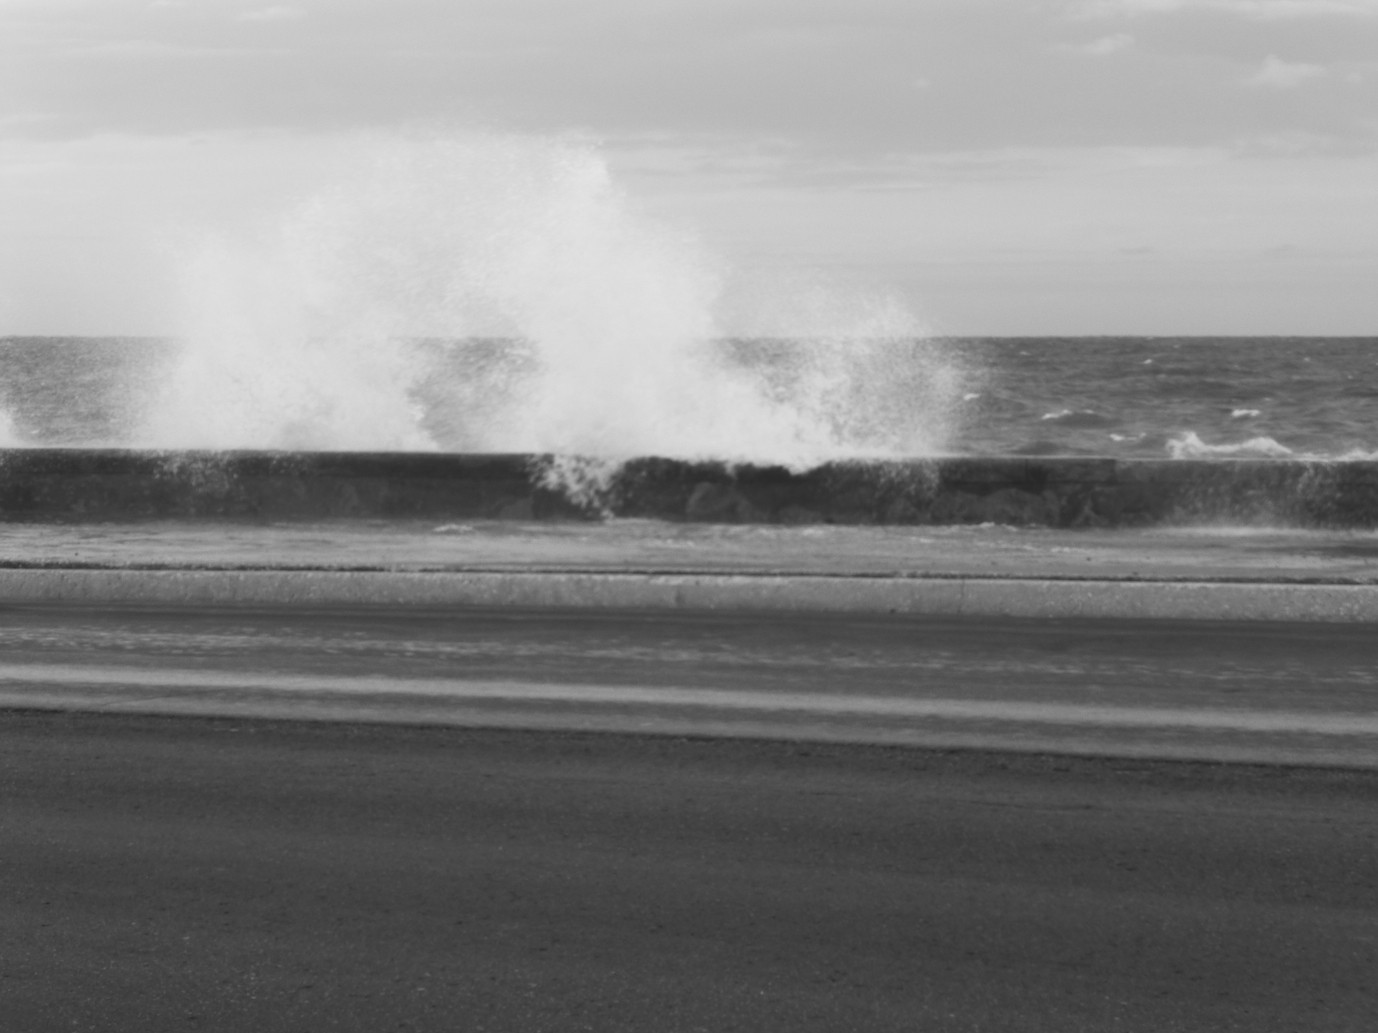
<point x="502" y="295"/>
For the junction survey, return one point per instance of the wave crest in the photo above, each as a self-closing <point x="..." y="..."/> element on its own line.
<point x="1190" y="446"/>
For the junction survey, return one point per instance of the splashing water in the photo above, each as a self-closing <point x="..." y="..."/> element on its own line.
<point x="503" y="295"/>
<point x="9" y="436"/>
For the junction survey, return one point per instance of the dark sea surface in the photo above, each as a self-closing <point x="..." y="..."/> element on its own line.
<point x="1161" y="397"/>
<point x="1183" y="397"/>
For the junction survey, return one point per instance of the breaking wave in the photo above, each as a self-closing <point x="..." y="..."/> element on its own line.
<point x="503" y="294"/>
<point x="1190" y="446"/>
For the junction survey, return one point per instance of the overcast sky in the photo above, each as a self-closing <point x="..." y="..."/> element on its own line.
<point x="1039" y="167"/>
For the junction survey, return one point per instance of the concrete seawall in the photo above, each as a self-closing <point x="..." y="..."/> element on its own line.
<point x="78" y="485"/>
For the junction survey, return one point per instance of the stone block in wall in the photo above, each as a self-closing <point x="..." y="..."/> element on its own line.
<point x="875" y="492"/>
<point x="799" y="515"/>
<point x="1012" y="506"/>
<point x="712" y="502"/>
<point x="904" y="512"/>
<point x="1345" y="496"/>
<point x="658" y="488"/>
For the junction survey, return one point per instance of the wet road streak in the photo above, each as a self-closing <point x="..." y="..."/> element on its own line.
<point x="1245" y="691"/>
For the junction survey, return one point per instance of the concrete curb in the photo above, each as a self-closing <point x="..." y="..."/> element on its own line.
<point x="948" y="597"/>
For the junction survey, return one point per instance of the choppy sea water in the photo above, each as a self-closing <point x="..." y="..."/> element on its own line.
<point x="1176" y="397"/>
<point x="1160" y="397"/>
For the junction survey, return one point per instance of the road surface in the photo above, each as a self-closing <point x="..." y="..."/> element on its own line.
<point x="219" y="873"/>
<point x="1251" y="691"/>
<point x="186" y="874"/>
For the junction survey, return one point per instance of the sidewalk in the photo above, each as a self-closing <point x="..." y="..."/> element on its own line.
<point x="1164" y="573"/>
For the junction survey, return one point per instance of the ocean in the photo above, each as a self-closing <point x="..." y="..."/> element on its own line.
<point x="1151" y="397"/>
<point x="1175" y="397"/>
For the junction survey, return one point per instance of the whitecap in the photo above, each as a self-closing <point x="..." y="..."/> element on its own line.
<point x="1190" y="446"/>
<point x="1245" y="414"/>
<point x="1077" y="418"/>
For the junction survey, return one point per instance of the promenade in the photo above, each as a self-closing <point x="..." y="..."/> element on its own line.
<point x="1223" y="644"/>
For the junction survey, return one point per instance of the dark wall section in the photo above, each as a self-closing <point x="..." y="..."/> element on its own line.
<point x="106" y="485"/>
<point x="111" y="484"/>
<point x="1053" y="492"/>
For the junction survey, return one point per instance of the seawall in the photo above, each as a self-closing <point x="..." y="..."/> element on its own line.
<point x="93" y="485"/>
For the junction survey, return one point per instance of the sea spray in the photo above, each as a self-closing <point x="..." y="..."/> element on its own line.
<point x="9" y="436"/>
<point x="503" y="294"/>
<point x="587" y="481"/>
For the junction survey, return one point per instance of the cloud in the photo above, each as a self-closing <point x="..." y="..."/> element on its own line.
<point x="273" y="14"/>
<point x="1277" y="74"/>
<point x="1103" y="47"/>
<point x="135" y="50"/>
<point x="1294" y="145"/>
<point x="1263" y="10"/>
<point x="833" y="77"/>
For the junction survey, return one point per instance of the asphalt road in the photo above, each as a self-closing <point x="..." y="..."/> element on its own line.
<point x="165" y="873"/>
<point x="187" y="874"/>
<point x="1252" y="691"/>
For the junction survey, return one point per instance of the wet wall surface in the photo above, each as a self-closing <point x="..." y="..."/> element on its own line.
<point x="112" y="484"/>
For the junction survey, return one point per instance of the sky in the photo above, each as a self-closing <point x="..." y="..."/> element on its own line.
<point x="1005" y="168"/>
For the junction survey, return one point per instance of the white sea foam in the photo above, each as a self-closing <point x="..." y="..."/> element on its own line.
<point x="1077" y="418"/>
<point x="9" y="436"/>
<point x="338" y="328"/>
<point x="1190" y="446"/>
<point x="1244" y="414"/>
<point x="585" y="480"/>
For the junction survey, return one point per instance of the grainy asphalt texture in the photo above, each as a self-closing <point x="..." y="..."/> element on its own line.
<point x="165" y="874"/>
